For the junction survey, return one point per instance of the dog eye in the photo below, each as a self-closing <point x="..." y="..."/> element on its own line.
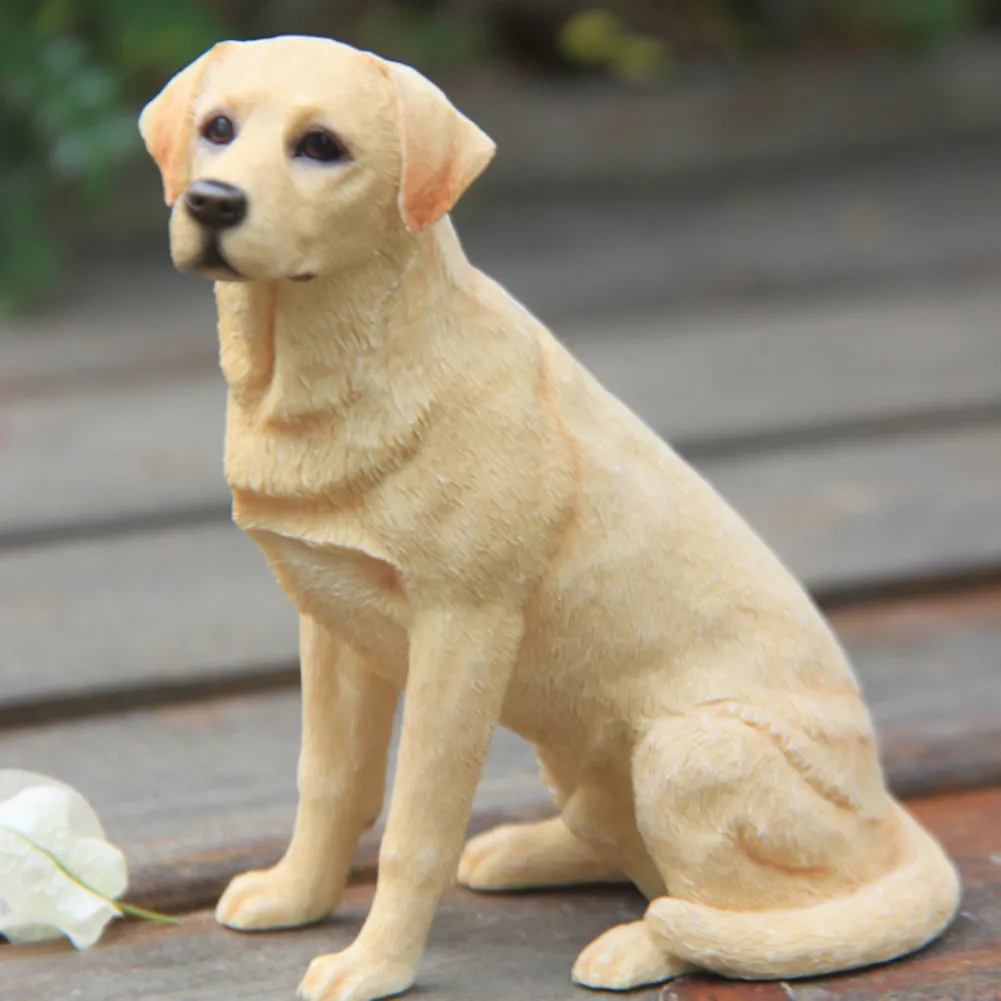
<point x="322" y="146"/>
<point x="219" y="130"/>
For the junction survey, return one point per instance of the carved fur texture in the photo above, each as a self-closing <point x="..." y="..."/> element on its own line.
<point x="456" y="507"/>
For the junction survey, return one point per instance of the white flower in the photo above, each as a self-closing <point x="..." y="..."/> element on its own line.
<point x="58" y="873"/>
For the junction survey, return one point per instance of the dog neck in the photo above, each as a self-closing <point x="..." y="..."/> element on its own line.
<point x="290" y="351"/>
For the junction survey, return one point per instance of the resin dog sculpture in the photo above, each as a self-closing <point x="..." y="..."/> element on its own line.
<point x="456" y="506"/>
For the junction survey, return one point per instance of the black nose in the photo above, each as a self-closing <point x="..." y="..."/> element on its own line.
<point x="215" y="204"/>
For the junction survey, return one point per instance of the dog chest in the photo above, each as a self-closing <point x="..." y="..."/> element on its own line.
<point x="354" y="593"/>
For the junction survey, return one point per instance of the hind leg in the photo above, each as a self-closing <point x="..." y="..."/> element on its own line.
<point x="739" y="810"/>
<point x="521" y="856"/>
<point x="735" y="814"/>
<point x="743" y="813"/>
<point x="547" y="853"/>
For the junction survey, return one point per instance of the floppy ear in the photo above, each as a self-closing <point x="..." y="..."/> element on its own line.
<point x="443" y="151"/>
<point x="166" y="123"/>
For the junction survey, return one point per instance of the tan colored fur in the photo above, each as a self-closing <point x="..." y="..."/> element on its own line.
<point x="456" y="506"/>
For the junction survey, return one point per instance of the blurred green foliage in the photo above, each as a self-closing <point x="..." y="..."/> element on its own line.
<point x="905" y="23"/>
<point x="742" y="30"/>
<point x="67" y="122"/>
<point x="420" y="38"/>
<point x="73" y="73"/>
<point x="598" y="38"/>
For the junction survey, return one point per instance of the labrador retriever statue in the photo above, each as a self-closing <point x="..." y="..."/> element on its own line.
<point x="457" y="507"/>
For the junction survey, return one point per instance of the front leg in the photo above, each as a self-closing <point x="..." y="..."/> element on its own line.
<point x="460" y="663"/>
<point x="347" y="722"/>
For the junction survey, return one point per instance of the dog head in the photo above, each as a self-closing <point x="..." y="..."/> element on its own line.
<point x="294" y="157"/>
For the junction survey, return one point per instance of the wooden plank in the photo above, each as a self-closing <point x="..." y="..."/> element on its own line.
<point x="141" y="450"/>
<point x="207" y="788"/>
<point x="509" y="947"/>
<point x="118" y="319"/>
<point x="931" y="670"/>
<point x="189" y="605"/>
<point x="799" y="365"/>
<point x="794" y="371"/>
<point x="850" y="515"/>
<point x="489" y="947"/>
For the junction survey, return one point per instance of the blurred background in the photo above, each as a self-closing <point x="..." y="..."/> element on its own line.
<point x="773" y="227"/>
<point x="659" y="95"/>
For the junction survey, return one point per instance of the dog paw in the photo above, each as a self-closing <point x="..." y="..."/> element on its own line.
<point x="269" y="899"/>
<point x="625" y="957"/>
<point x="494" y="860"/>
<point x="354" y="975"/>
<point x="523" y="856"/>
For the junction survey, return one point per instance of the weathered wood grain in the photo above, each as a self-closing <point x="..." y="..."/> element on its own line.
<point x="153" y="445"/>
<point x="138" y="450"/>
<point x="501" y="948"/>
<point x="197" y="791"/>
<point x="881" y="510"/>
<point x="510" y="947"/>
<point x="191" y="604"/>
<point x="931" y="669"/>
<point x="949" y="753"/>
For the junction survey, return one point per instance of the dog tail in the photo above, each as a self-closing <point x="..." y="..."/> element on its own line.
<point x="894" y="915"/>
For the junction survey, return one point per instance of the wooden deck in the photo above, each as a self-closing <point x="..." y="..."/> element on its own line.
<point x="147" y="657"/>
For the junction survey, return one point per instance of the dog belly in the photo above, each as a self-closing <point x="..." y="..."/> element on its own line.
<point x="355" y="595"/>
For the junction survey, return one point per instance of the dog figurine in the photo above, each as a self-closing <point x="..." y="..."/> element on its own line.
<point x="457" y="507"/>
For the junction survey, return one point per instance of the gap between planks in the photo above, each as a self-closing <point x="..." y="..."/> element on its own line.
<point x="713" y="452"/>
<point x="853" y="613"/>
